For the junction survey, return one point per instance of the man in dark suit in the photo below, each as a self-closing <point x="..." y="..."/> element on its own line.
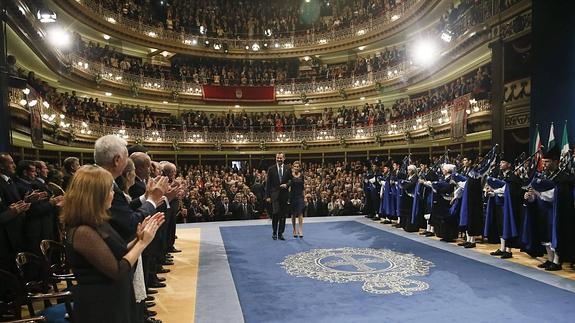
<point x="277" y="193"/>
<point x="223" y="210"/>
<point x="12" y="211"/>
<point x="111" y="154"/>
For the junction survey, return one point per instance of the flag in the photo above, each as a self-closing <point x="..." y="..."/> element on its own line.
<point x="551" y="142"/>
<point x="536" y="149"/>
<point x="564" y="141"/>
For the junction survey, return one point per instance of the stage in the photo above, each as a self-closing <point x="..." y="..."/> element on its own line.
<point x="350" y="269"/>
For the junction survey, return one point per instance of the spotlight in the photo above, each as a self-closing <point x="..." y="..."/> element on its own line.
<point x="255" y="47"/>
<point x="425" y="52"/>
<point x="46" y="16"/>
<point x="33" y="103"/>
<point x="23" y="102"/>
<point x="394" y="17"/>
<point x="59" y="37"/>
<point x="217" y="46"/>
<point x="446" y="36"/>
<point x="26" y="91"/>
<point x="106" y="37"/>
<point x="203" y="30"/>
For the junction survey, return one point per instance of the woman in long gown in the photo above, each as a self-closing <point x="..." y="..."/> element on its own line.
<point x="297" y="199"/>
<point x="101" y="260"/>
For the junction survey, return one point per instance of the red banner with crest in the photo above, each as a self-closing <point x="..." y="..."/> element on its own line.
<point x="239" y="93"/>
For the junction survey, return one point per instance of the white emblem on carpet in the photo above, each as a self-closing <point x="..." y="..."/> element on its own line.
<point x="383" y="271"/>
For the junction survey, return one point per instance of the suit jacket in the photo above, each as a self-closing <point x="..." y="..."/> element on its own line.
<point x="11" y="226"/>
<point x="279" y="196"/>
<point x="125" y="217"/>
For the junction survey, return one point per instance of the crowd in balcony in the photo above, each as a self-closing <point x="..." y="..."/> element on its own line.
<point x="369" y="114"/>
<point x="251" y="19"/>
<point x="199" y="70"/>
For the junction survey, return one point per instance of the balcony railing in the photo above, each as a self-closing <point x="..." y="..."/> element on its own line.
<point x="182" y="134"/>
<point x="102" y="72"/>
<point x="275" y="44"/>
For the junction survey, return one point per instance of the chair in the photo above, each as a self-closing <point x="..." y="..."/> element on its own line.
<point x="12" y="298"/>
<point x="55" y="255"/>
<point x="36" y="278"/>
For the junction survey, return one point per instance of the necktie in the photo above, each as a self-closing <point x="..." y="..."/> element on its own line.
<point x="245" y="209"/>
<point x="281" y="172"/>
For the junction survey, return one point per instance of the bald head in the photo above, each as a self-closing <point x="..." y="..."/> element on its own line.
<point x="142" y="163"/>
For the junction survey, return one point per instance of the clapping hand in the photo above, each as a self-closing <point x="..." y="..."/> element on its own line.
<point x="19" y="207"/>
<point x="147" y="229"/>
<point x="57" y="200"/>
<point x="35" y="196"/>
<point x="156" y="188"/>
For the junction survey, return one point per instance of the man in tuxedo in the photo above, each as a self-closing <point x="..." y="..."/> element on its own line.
<point x="277" y="193"/>
<point x="12" y="212"/>
<point x="224" y="209"/>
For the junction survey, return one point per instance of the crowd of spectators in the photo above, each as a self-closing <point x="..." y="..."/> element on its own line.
<point x="97" y="112"/>
<point x="251" y="19"/>
<point x="199" y="70"/>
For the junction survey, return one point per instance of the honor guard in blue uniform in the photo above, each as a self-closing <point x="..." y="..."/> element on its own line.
<point x="423" y="199"/>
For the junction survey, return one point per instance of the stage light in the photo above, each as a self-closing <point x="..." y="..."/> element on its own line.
<point x="255" y="47"/>
<point x="108" y="94"/>
<point x="23" y="102"/>
<point x="46" y="104"/>
<point x="165" y="102"/>
<point x="33" y="103"/>
<point x="111" y="20"/>
<point x="62" y="116"/>
<point x="425" y="52"/>
<point x="59" y="37"/>
<point x="165" y="54"/>
<point x="361" y="32"/>
<point x="26" y="91"/>
<point x="107" y="37"/>
<point x="277" y="45"/>
<point x="361" y="47"/>
<point x="152" y="34"/>
<point x="446" y="36"/>
<point x="306" y="58"/>
<point x="394" y="17"/>
<point x="322" y="41"/>
<point x="203" y="30"/>
<point x="268" y="32"/>
<point x="362" y="98"/>
<point x="46" y="16"/>
<point x="217" y="46"/>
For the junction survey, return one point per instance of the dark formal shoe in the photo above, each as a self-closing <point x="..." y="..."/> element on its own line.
<point x="152" y="320"/>
<point x="274" y="237"/>
<point x="151" y="291"/>
<point x="295" y="235"/>
<point x="496" y="253"/>
<point x="150" y="298"/>
<point x="423" y="233"/>
<point x="386" y="221"/>
<point x="506" y="255"/>
<point x="545" y="264"/>
<point x="446" y="240"/>
<point x="462" y="244"/>
<point x="156" y="285"/>
<point x="469" y="245"/>
<point x="168" y="263"/>
<point x="553" y="267"/>
<point x="174" y="250"/>
<point x="160" y="279"/>
<point x="152" y="313"/>
<point x="163" y="271"/>
<point x="169" y="256"/>
<point x="150" y="304"/>
<point x="429" y="234"/>
<point x="397" y="225"/>
<point x="301" y="237"/>
<point x="376" y="218"/>
<point x="281" y="237"/>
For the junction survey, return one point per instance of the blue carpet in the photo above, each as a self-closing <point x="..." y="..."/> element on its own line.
<point x="460" y="289"/>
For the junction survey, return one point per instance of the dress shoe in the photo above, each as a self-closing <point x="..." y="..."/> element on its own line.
<point x="281" y="237"/>
<point x="274" y="237"/>
<point x="169" y="256"/>
<point x="446" y="240"/>
<point x="152" y="313"/>
<point x="151" y="291"/>
<point x="386" y="221"/>
<point x="156" y="284"/>
<point x="376" y="218"/>
<point x="545" y="264"/>
<point x="301" y="237"/>
<point x="168" y="263"/>
<point x="506" y="255"/>
<point x="163" y="271"/>
<point x="429" y="234"/>
<point x="423" y="233"/>
<point x="496" y="253"/>
<point x="397" y="225"/>
<point x="160" y="279"/>
<point x="174" y="250"/>
<point x="462" y="244"/>
<point x="152" y="320"/>
<point x="150" y="304"/>
<point x="469" y="245"/>
<point x="553" y="267"/>
<point x="150" y="298"/>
